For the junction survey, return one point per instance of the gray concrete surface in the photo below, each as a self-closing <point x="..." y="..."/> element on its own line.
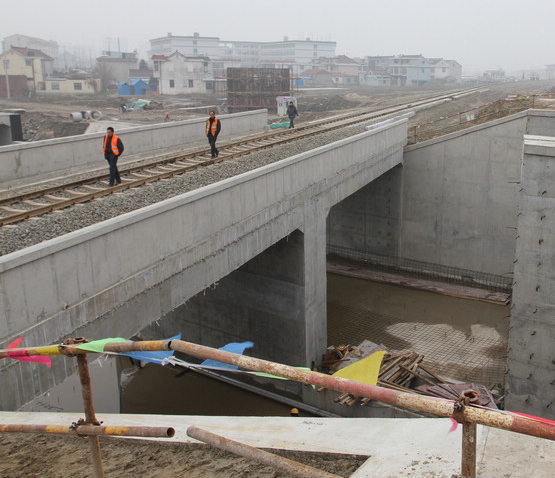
<point x="530" y="378"/>
<point x="453" y="203"/>
<point x="422" y="447"/>
<point x="72" y="153"/>
<point x="116" y="277"/>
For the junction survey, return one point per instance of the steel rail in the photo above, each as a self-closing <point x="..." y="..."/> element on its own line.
<point x="12" y="204"/>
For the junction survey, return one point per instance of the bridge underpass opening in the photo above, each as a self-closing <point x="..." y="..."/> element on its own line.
<point x="262" y="301"/>
<point x="460" y="338"/>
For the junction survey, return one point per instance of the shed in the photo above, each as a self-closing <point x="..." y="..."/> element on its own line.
<point x="135" y="87"/>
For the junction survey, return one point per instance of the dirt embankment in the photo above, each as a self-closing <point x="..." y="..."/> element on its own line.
<point x="29" y="455"/>
<point x="50" y="117"/>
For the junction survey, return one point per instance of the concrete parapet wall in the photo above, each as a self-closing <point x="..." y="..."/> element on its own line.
<point x="531" y="360"/>
<point x="73" y="152"/>
<point x="116" y="277"/>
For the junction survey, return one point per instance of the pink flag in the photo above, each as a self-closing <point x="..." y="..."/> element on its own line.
<point x="22" y="356"/>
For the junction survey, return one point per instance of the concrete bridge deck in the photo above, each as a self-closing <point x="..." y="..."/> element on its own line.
<point x="119" y="276"/>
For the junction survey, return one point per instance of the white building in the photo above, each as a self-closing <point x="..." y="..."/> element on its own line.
<point x="48" y="47"/>
<point x="187" y="45"/>
<point x="179" y="74"/>
<point x="294" y="54"/>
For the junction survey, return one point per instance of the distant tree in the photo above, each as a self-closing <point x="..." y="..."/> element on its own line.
<point x="143" y="65"/>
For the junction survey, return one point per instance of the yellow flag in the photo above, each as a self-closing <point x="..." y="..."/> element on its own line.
<point x="365" y="370"/>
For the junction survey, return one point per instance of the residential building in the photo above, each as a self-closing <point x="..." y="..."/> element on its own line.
<point x="48" y="47"/>
<point x="70" y="85"/>
<point x="33" y="64"/>
<point x="296" y="55"/>
<point x="189" y="46"/>
<point x="114" y="66"/>
<point x="377" y="77"/>
<point x="411" y="70"/>
<point x="314" y="77"/>
<point x="494" y="75"/>
<point x="343" y="70"/>
<point x="180" y="74"/>
<point x="446" y="70"/>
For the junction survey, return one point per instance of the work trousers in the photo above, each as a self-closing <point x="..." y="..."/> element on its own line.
<point x="212" y="143"/>
<point x="291" y="121"/>
<point x="114" y="173"/>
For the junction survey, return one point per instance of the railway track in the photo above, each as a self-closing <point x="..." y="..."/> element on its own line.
<point x="21" y="206"/>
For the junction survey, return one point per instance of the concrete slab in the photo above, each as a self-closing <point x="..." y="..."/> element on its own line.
<point x="396" y="447"/>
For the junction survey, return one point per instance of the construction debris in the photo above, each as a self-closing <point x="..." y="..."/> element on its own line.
<point x="403" y="372"/>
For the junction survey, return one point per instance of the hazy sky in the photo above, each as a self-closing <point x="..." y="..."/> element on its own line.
<point x="479" y="34"/>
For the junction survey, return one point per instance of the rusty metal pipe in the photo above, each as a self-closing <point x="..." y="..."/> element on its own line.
<point x="410" y="401"/>
<point x="417" y="403"/>
<point x="159" y="432"/>
<point x="84" y="377"/>
<point x="289" y="466"/>
<point x="468" y="462"/>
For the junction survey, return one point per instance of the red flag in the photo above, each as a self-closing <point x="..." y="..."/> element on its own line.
<point x="22" y="356"/>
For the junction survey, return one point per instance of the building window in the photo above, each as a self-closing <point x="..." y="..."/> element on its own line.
<point x="55" y="85"/>
<point x="42" y="86"/>
<point x="156" y="65"/>
<point x="28" y="62"/>
<point x="195" y="51"/>
<point x="209" y="85"/>
<point x="190" y="83"/>
<point x="172" y="84"/>
<point x="77" y="86"/>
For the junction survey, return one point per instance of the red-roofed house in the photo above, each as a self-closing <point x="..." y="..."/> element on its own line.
<point x="33" y="64"/>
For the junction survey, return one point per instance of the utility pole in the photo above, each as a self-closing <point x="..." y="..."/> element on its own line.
<point x="6" y="66"/>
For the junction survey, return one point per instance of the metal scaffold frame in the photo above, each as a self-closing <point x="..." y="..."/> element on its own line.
<point x="464" y="411"/>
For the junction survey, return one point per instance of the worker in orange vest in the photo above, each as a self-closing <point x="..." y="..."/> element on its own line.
<point x="213" y="128"/>
<point x="113" y="148"/>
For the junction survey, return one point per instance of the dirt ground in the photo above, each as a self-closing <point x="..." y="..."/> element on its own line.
<point x="54" y="456"/>
<point x="50" y="118"/>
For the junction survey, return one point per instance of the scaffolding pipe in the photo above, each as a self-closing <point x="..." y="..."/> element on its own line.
<point x="289" y="466"/>
<point x="86" y="392"/>
<point x="418" y="403"/>
<point x="410" y="401"/>
<point x="84" y="430"/>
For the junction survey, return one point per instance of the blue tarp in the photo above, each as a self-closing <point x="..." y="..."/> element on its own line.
<point x="234" y="347"/>
<point x="154" y="357"/>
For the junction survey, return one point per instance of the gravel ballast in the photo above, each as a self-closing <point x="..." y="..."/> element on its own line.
<point x="28" y="233"/>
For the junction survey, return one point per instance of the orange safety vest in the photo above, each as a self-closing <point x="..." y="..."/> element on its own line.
<point x="114" y="144"/>
<point x="214" y="126"/>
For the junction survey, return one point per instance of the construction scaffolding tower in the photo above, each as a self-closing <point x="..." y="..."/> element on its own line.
<point x="255" y="88"/>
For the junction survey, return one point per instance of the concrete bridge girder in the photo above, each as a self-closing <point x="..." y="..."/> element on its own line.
<point x="103" y="282"/>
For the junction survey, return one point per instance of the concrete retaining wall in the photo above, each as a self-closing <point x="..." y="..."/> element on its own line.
<point x="460" y="197"/>
<point x="530" y="365"/>
<point x="116" y="277"/>
<point x="460" y="194"/>
<point x="71" y="153"/>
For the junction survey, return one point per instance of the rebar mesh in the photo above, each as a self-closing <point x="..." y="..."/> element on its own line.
<point x="421" y="269"/>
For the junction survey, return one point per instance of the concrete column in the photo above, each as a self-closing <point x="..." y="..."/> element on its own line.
<point x="531" y="359"/>
<point x="315" y="292"/>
